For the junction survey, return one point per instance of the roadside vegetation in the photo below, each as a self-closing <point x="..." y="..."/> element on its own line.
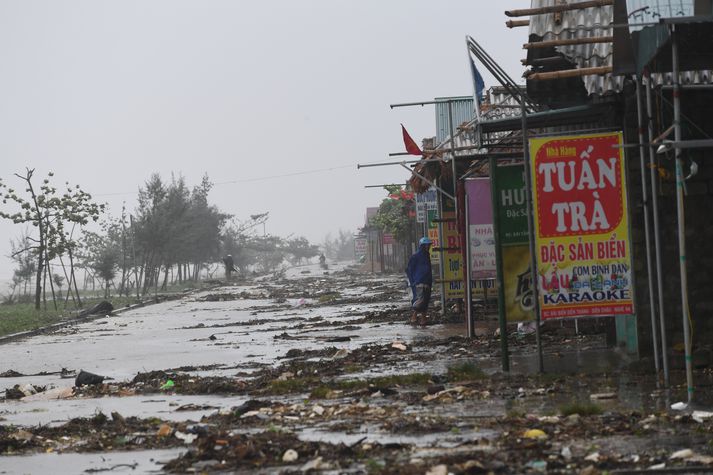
<point x="173" y="239"/>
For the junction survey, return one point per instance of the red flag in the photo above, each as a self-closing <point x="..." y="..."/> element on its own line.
<point x="411" y="146"/>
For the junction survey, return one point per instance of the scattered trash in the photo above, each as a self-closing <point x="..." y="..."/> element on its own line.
<point x="102" y="308"/>
<point x="194" y="407"/>
<point x="317" y="409"/>
<point x="526" y="328"/>
<point x="168" y="384"/>
<point x="593" y="457"/>
<point x="658" y="466"/>
<point x="600" y="396"/>
<point x="290" y="455"/>
<point x="164" y="430"/>
<point x="435" y="388"/>
<point x="187" y="438"/>
<point x="315" y="464"/>
<point x="679" y="406"/>
<point x="85" y="378"/>
<point x="399" y="346"/>
<point x="300" y="302"/>
<point x="438" y="470"/>
<point x="22" y="391"/>
<point x="566" y="453"/>
<point x="11" y="373"/>
<point x="535" y="434"/>
<point x="340" y="354"/>
<point x="549" y="419"/>
<point x="23" y="435"/>
<point x="67" y="373"/>
<point x="700" y="416"/>
<point x="50" y="394"/>
<point x="538" y="465"/>
<point x="285" y="376"/>
<point x="338" y="339"/>
<point x="682" y="454"/>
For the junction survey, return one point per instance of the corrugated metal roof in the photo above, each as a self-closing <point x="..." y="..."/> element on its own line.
<point x="462" y="112"/>
<point x="592" y="22"/>
<point x="584" y="23"/>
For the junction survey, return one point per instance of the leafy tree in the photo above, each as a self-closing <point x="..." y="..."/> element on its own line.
<point x="340" y="247"/>
<point x="49" y="212"/>
<point x="393" y="215"/>
<point x="25" y="259"/>
<point x="59" y="282"/>
<point x="101" y="252"/>
<point x="300" y="248"/>
<point x="175" y="228"/>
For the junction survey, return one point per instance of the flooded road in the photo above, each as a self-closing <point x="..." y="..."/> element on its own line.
<point x="320" y="371"/>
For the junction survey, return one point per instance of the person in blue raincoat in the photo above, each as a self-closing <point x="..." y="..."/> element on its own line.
<point x="420" y="280"/>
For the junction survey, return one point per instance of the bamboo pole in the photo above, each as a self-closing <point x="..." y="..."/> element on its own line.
<point x="570" y="73"/>
<point x="571" y="41"/>
<point x="559" y="8"/>
<point x="542" y="61"/>
<point x="516" y="23"/>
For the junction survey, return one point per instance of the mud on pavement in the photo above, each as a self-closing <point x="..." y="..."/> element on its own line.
<point x="320" y="373"/>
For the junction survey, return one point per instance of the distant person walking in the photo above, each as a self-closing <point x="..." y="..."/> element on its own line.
<point x="229" y="266"/>
<point x="420" y="280"/>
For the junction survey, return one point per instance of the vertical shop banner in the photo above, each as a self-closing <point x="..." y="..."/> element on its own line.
<point x="432" y="215"/>
<point x="581" y="226"/>
<point x="425" y="202"/>
<point x="480" y="224"/>
<point x="359" y="246"/>
<point x="453" y="267"/>
<point x="513" y="240"/>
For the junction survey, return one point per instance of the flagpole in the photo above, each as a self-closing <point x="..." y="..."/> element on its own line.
<point x="476" y="102"/>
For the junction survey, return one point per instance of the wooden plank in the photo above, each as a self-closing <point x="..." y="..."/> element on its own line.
<point x="569" y="73"/>
<point x="559" y="8"/>
<point x="516" y="23"/>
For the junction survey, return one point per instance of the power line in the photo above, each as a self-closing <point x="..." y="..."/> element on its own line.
<point x="251" y="180"/>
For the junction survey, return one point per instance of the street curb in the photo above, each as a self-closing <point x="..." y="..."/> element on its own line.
<point x="87" y="318"/>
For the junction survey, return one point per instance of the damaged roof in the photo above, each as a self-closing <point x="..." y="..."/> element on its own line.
<point x="583" y="23"/>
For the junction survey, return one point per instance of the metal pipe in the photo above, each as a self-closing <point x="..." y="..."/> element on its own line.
<point x="433" y="184"/>
<point x="502" y="317"/>
<point x="470" y="324"/>
<point x="680" y="212"/>
<point x="409" y="104"/>
<point x="657" y="232"/>
<point x="700" y="143"/>
<point x="645" y="202"/>
<point x="689" y="86"/>
<point x="662" y="135"/>
<point x="441" y="260"/>
<point x="403" y="162"/>
<point x="453" y="155"/>
<point x="502" y="77"/>
<point x="531" y="230"/>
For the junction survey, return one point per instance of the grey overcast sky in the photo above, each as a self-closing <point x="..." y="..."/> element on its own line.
<point x="104" y="93"/>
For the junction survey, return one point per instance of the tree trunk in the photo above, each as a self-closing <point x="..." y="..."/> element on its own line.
<point x="38" y="286"/>
<point x="73" y="276"/>
<point x="44" y="283"/>
<point x="165" y="278"/>
<point x="49" y="268"/>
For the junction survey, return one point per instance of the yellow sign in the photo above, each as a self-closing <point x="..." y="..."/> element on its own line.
<point x="581" y="226"/>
